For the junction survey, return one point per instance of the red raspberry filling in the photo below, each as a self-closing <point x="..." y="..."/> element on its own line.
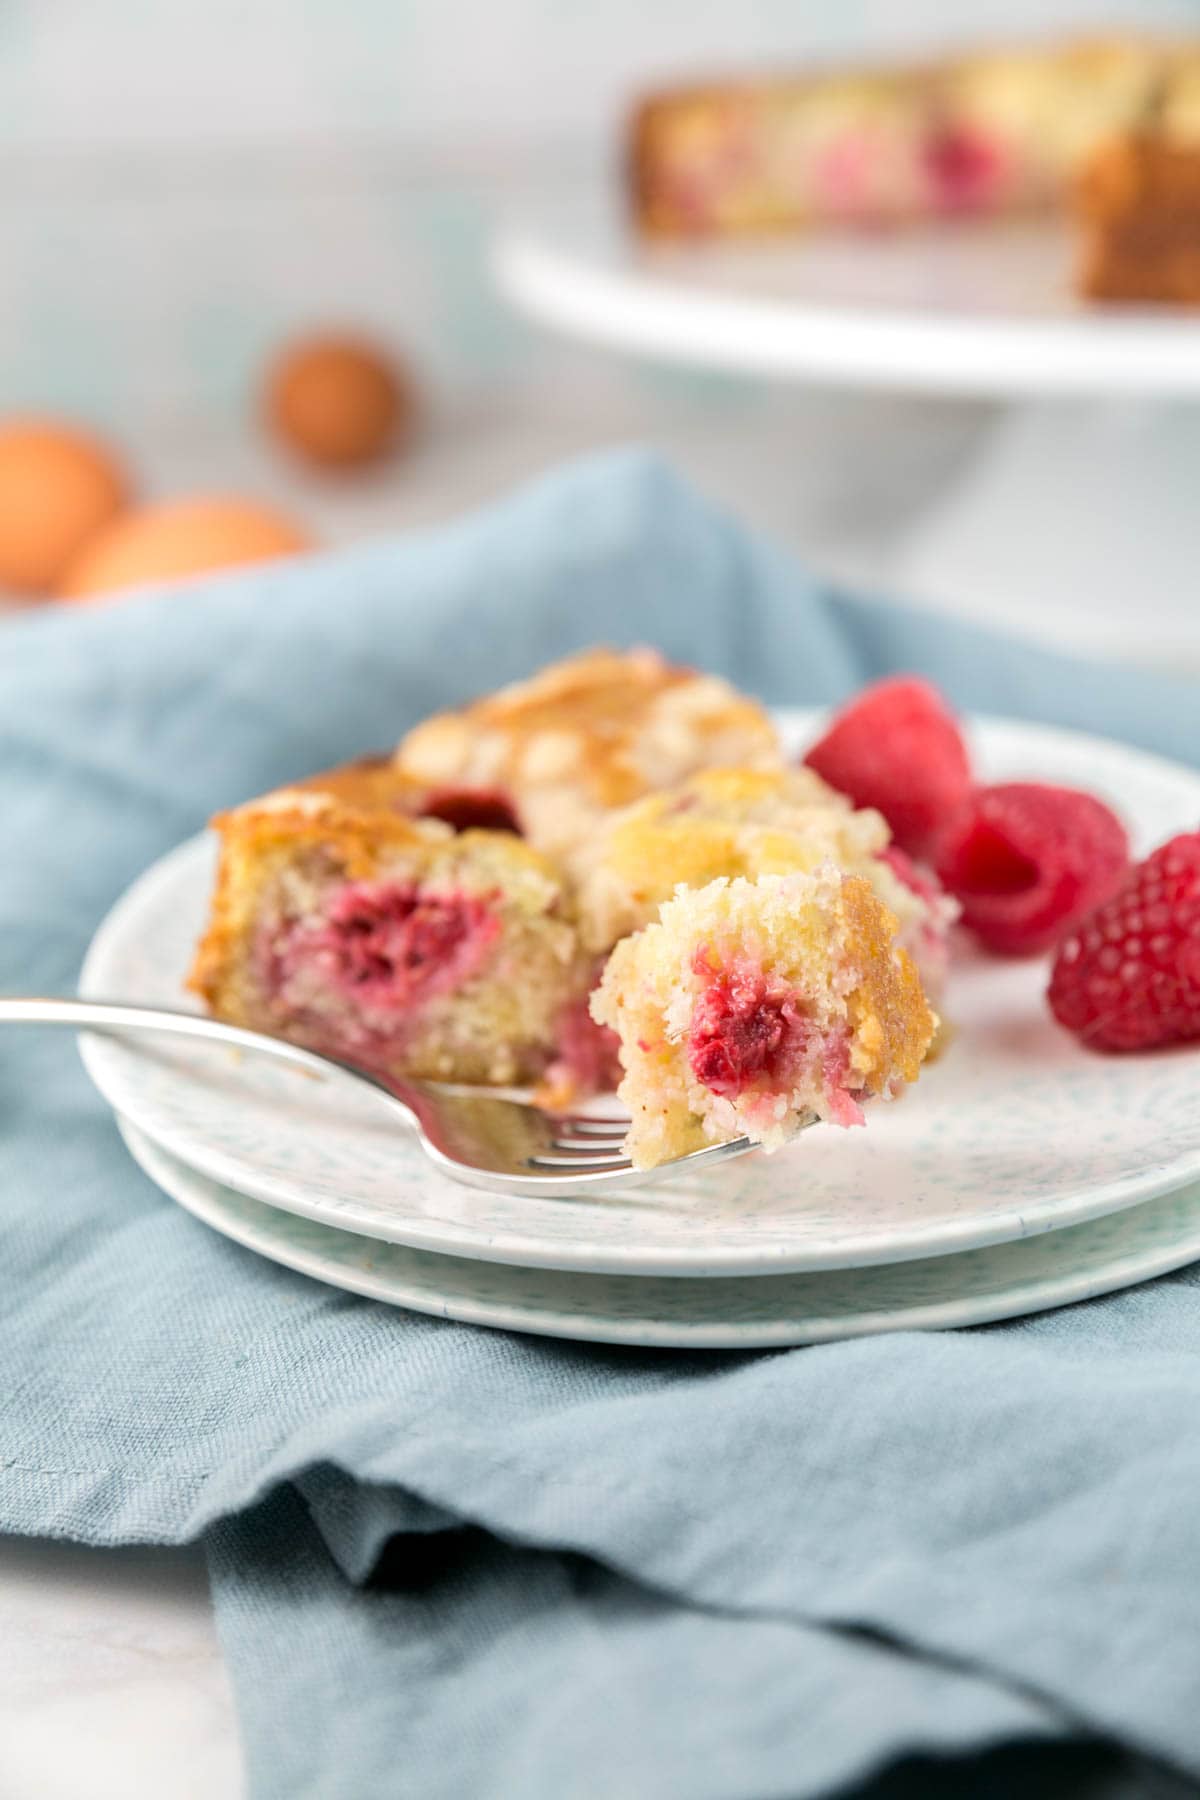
<point x="846" y="175"/>
<point x="1027" y="860"/>
<point x="965" y="166"/>
<point x="587" y="1059"/>
<point x="391" y="945"/>
<point x="472" y="809"/>
<point x="844" y="1108"/>
<point x="749" y="1033"/>
<point x="744" y="1028"/>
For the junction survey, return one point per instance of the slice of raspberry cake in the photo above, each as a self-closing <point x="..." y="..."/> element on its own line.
<point x="342" y="921"/>
<point x="583" y="736"/>
<point x="975" y="136"/>
<point x="752" y="1007"/>
<point x="751" y="822"/>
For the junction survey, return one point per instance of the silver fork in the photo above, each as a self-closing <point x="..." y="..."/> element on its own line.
<point x="484" y="1139"/>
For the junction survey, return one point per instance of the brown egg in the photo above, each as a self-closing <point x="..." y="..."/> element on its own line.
<point x="58" y="487"/>
<point x="339" y="402"/>
<point x="179" y="538"/>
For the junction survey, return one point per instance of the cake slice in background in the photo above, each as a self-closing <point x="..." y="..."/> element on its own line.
<point x="971" y="136"/>
<point x="343" y="922"/>
<point x="751" y="1007"/>
<point x="585" y="735"/>
<point x="1106" y="130"/>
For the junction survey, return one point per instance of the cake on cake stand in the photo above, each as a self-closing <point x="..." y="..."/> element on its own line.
<point x="1079" y="519"/>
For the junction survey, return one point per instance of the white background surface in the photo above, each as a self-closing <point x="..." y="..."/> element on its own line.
<point x="181" y="184"/>
<point x="111" y="1681"/>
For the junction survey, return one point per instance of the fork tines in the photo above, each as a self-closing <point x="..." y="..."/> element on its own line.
<point x="585" y="1144"/>
<point x="584" y="1126"/>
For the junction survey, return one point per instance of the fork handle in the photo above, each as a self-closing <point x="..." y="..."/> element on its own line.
<point x="114" y="1019"/>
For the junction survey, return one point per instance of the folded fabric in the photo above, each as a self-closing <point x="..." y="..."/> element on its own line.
<point x="449" y="1561"/>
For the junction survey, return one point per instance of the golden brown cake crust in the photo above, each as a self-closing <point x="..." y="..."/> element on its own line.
<point x="1140" y="205"/>
<point x="583" y="716"/>
<point x="894" y="1024"/>
<point x="588" y="734"/>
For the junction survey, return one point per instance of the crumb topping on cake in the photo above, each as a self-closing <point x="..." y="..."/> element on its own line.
<point x="447" y="911"/>
<point x="747" y="822"/>
<point x="586" y="735"/>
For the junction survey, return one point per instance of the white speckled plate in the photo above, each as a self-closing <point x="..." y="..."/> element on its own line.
<point x="742" y="1312"/>
<point x="1016" y="1130"/>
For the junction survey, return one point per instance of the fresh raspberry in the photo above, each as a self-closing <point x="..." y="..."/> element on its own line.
<point x="1027" y="861"/>
<point x="897" y="747"/>
<point x="1128" y="977"/>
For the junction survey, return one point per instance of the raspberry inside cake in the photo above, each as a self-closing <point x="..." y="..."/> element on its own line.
<point x="388" y="946"/>
<point x="752" y="1007"/>
<point x="343" y="923"/>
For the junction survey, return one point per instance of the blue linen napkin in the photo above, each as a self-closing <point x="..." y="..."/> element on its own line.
<point x="453" y="1562"/>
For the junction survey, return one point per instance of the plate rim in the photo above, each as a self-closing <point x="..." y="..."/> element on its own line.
<point x="1044" y="1294"/>
<point x="455" y="1238"/>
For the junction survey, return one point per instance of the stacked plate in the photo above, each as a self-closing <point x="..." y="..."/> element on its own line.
<point x="1021" y="1173"/>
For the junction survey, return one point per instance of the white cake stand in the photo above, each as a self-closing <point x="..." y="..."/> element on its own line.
<point x="1079" y="520"/>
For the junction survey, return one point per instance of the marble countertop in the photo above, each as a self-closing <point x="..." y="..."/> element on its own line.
<point x="111" y="1680"/>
